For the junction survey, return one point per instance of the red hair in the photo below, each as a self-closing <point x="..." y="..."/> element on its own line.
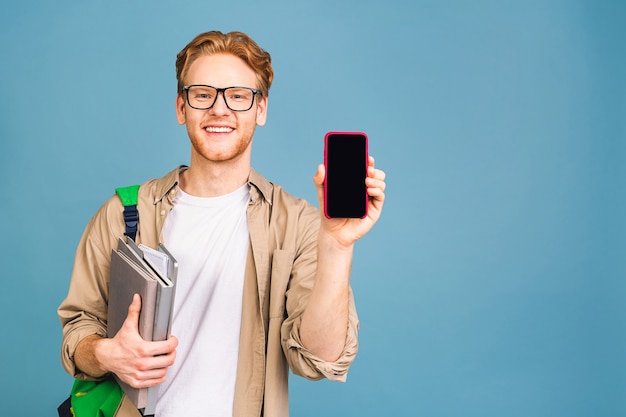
<point x="236" y="43"/>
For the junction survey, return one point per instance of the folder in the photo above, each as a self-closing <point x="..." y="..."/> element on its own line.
<point x="151" y="273"/>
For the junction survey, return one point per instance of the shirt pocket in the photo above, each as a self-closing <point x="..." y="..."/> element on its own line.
<point x="282" y="264"/>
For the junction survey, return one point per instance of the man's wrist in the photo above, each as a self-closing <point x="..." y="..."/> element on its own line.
<point x="88" y="354"/>
<point x="328" y="243"/>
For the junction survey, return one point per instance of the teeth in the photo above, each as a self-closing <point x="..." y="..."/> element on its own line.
<point x="213" y="129"/>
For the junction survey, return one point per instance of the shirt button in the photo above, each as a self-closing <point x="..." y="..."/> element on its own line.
<point x="162" y="213"/>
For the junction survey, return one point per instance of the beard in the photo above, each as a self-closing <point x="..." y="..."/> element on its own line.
<point x="221" y="147"/>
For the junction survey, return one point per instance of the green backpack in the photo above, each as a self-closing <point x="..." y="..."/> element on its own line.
<point x="103" y="398"/>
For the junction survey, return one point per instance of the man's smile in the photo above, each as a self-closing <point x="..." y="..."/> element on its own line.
<point x="218" y="129"/>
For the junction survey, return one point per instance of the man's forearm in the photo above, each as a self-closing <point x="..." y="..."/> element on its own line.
<point x="324" y="326"/>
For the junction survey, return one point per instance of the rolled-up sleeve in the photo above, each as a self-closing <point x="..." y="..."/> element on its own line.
<point x="308" y="365"/>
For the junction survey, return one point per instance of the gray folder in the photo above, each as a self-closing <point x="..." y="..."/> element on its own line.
<point x="151" y="274"/>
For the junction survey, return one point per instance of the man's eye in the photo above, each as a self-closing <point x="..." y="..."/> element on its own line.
<point x="239" y="95"/>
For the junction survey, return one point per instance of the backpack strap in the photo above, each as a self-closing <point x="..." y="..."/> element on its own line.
<point x="129" y="196"/>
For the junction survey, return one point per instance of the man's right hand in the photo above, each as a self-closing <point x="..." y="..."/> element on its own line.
<point x="135" y="361"/>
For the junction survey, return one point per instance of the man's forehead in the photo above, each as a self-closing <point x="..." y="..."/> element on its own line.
<point x="222" y="66"/>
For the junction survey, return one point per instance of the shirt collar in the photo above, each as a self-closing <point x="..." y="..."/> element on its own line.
<point x="259" y="186"/>
<point x="167" y="183"/>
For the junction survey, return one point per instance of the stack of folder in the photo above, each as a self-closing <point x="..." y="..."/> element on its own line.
<point x="151" y="273"/>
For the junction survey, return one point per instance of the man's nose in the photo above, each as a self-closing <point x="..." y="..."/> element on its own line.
<point x="220" y="104"/>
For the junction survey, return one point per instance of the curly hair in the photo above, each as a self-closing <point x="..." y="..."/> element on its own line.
<point x="236" y="43"/>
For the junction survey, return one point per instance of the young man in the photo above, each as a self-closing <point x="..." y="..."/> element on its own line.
<point x="263" y="281"/>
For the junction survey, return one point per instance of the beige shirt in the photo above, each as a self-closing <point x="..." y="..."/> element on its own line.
<point x="279" y="276"/>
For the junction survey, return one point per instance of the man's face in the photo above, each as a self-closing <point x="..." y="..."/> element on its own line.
<point x="220" y="134"/>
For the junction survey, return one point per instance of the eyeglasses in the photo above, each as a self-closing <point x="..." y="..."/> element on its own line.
<point x="203" y="97"/>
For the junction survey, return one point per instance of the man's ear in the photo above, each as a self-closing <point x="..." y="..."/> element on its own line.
<point x="180" y="109"/>
<point x="261" y="110"/>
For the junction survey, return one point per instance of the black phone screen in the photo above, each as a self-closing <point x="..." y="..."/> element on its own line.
<point x="345" y="193"/>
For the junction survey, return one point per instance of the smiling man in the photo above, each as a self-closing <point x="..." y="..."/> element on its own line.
<point x="264" y="278"/>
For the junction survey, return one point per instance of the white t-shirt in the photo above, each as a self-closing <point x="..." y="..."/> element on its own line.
<point x="209" y="238"/>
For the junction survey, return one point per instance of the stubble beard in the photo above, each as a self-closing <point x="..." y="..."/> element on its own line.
<point x="204" y="149"/>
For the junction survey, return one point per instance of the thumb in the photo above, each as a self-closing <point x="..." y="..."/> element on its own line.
<point x="318" y="180"/>
<point x="132" y="319"/>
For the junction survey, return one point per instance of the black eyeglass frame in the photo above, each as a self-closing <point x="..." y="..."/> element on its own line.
<point x="218" y="91"/>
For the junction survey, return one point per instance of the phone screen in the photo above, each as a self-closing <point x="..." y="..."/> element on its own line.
<point x="345" y="158"/>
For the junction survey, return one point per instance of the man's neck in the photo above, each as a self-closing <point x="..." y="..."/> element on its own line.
<point x="212" y="179"/>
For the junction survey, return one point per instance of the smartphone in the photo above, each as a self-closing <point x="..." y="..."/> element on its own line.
<point x="345" y="159"/>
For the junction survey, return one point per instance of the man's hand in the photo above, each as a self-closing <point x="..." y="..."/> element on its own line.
<point x="348" y="231"/>
<point x="135" y="361"/>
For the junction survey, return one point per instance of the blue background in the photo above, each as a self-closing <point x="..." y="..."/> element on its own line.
<point x="494" y="284"/>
